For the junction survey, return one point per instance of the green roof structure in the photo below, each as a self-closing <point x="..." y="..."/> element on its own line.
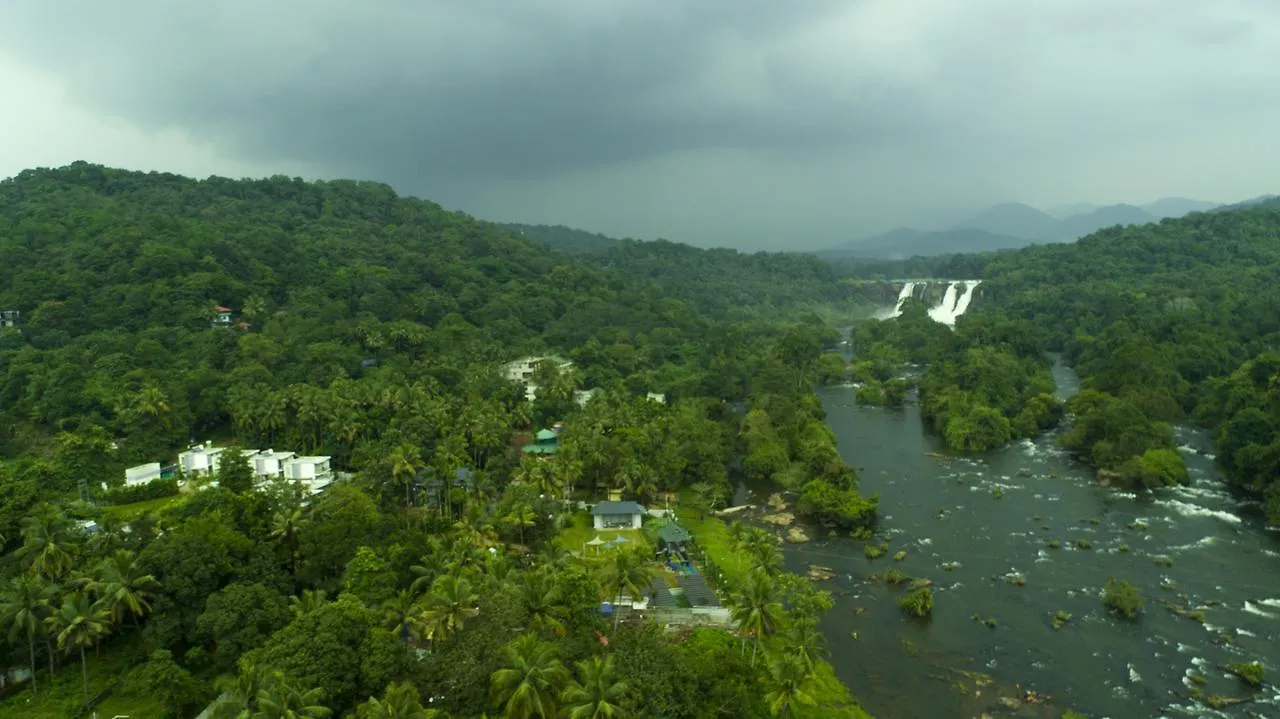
<point x="673" y="533"/>
<point x="546" y="435"/>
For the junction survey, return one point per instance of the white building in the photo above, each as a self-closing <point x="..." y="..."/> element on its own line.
<point x="200" y="461"/>
<point x="658" y="397"/>
<point x="583" y="396"/>
<point x="269" y="463"/>
<point x="313" y="473"/>
<point x="9" y="318"/>
<point x="522" y="371"/>
<point x="141" y="474"/>
<point x="617" y="515"/>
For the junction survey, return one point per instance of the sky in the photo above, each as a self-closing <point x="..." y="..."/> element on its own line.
<point x="757" y="124"/>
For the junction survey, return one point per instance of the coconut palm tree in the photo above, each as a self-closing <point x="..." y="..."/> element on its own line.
<point x="756" y="608"/>
<point x="307" y="602"/>
<point x="400" y="615"/>
<point x="282" y="699"/>
<point x="804" y="641"/>
<point x="123" y="588"/>
<point x="45" y="544"/>
<point x="789" y="680"/>
<point x="405" y="461"/>
<point x="77" y="624"/>
<point x="238" y="694"/>
<point x="530" y="680"/>
<point x="23" y="609"/>
<point x="627" y="572"/>
<point x="400" y="701"/>
<point x="520" y="517"/>
<point x="285" y="523"/>
<point x="543" y="600"/>
<point x="446" y="609"/>
<point x="596" y="693"/>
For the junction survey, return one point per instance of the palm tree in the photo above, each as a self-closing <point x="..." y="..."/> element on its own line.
<point x="629" y="573"/>
<point x="123" y="588"/>
<point x="238" y="694"/>
<point x="307" y="602"/>
<point x="44" y="542"/>
<point x="532" y="677"/>
<point x="596" y="693"/>
<point x="789" y="679"/>
<point x="285" y="523"/>
<point x="77" y="624"/>
<point x="400" y="701"/>
<point x="447" y="608"/>
<point x="543" y="600"/>
<point x="23" y="609"/>
<point x="406" y="462"/>
<point x="521" y="516"/>
<point x="804" y="641"/>
<point x="756" y="609"/>
<point x="401" y="616"/>
<point x="281" y="699"/>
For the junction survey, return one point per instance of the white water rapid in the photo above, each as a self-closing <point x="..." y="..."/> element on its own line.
<point x="908" y="289"/>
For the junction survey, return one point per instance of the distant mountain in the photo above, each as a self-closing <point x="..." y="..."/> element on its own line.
<point x="1077" y="226"/>
<point x="1013" y="219"/>
<point x="906" y="242"/>
<point x="565" y="239"/>
<point x="1176" y="207"/>
<point x="1254" y="202"/>
<point x="1078" y="208"/>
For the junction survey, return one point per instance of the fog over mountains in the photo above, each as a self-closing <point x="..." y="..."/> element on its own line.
<point x="1014" y="224"/>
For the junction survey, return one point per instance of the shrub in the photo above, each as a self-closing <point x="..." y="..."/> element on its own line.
<point x="919" y="603"/>
<point x="1250" y="673"/>
<point x="155" y="489"/>
<point x="1124" y="598"/>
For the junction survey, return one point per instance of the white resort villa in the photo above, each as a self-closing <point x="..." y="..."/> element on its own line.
<point x="313" y="474"/>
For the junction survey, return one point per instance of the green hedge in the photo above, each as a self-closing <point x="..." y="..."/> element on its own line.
<point x="155" y="489"/>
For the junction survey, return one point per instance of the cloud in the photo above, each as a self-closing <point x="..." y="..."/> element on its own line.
<point x="690" y="119"/>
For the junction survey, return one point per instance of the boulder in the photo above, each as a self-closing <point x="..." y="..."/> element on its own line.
<point x="795" y="535"/>
<point x="781" y="519"/>
<point x="777" y="502"/>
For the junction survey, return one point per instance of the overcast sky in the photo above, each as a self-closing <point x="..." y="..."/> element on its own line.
<point x="748" y="123"/>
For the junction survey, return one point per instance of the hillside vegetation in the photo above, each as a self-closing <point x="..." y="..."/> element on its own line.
<point x="370" y="328"/>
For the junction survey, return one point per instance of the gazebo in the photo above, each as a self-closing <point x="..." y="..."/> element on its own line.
<point x="673" y="537"/>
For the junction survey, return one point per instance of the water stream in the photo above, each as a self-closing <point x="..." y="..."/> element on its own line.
<point x="1198" y="547"/>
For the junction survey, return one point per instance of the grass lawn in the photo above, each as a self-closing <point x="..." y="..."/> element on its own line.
<point x="712" y="535"/>
<point x="128" y="512"/>
<point x="62" y="697"/>
<point x="579" y="531"/>
<point x="833" y="698"/>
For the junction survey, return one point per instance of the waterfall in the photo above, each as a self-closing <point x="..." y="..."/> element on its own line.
<point x="908" y="290"/>
<point x="954" y="302"/>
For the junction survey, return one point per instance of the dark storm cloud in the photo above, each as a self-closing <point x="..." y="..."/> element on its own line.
<point x="751" y="122"/>
<point x="459" y="89"/>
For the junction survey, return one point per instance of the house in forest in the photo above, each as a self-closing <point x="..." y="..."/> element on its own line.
<point x="521" y="371"/>
<point x="268" y="463"/>
<point x="546" y="443"/>
<point x="222" y="316"/>
<point x="314" y="473"/>
<point x="9" y="318"/>
<point x="617" y="515"/>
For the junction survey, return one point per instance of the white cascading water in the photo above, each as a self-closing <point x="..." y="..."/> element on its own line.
<point x="965" y="299"/>
<point x="908" y="290"/>
<point x="954" y="302"/>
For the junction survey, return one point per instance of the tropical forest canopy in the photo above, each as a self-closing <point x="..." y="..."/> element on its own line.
<point x="370" y="328"/>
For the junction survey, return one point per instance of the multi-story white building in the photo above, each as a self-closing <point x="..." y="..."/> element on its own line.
<point x="200" y="461"/>
<point x="313" y="473"/>
<point x="522" y="371"/>
<point x="9" y="318"/>
<point x="269" y="463"/>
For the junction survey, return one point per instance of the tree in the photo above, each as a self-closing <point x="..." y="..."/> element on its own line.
<point x="530" y="680"/>
<point x="400" y="701"/>
<point x="544" y="600"/>
<point x="281" y="698"/>
<point x="78" y="624"/>
<point x="596" y="693"/>
<point x="124" y="588"/>
<point x="520" y="517"/>
<point x="24" y="607"/>
<point x="756" y="609"/>
<point x="406" y="462"/>
<point x="234" y="471"/>
<point x="789" y="682"/>
<point x="448" y="606"/>
<point x="45" y="543"/>
<point x="627" y="572"/>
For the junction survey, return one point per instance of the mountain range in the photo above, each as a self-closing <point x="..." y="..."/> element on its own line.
<point x="1012" y="225"/>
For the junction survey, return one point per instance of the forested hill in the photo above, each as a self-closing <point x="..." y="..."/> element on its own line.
<point x="1170" y="322"/>
<point x="717" y="280"/>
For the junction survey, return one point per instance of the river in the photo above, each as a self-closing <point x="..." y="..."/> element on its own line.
<point x="1197" y="546"/>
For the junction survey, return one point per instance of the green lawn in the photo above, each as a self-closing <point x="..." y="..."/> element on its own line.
<point x="62" y="697"/>
<point x="579" y="531"/>
<point x="128" y="512"/>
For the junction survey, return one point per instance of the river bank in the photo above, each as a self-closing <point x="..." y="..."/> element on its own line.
<point x="1026" y="532"/>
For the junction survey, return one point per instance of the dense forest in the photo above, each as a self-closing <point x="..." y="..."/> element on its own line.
<point x="1176" y="321"/>
<point x="436" y="579"/>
